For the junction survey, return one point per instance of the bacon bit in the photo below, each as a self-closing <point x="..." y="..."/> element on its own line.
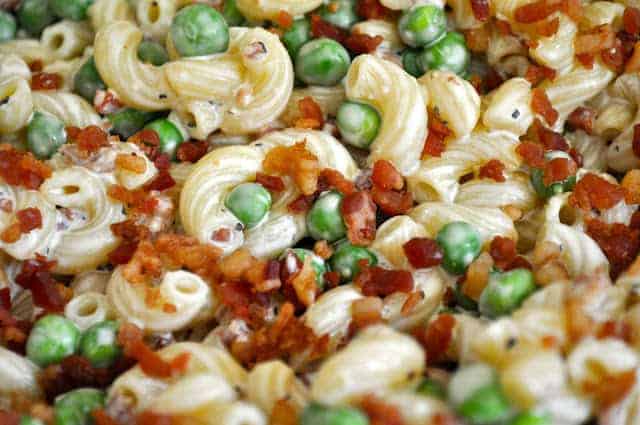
<point x="22" y="168"/>
<point x="587" y="60"/>
<point x="503" y="251"/>
<point x="385" y="176"/>
<point x="144" y="264"/>
<point x="437" y="337"/>
<point x="557" y="170"/>
<point x="381" y="412"/>
<point x="35" y="276"/>
<point x="323" y="250"/>
<point x="192" y="151"/>
<point x="372" y="9"/>
<point x="45" y="81"/>
<point x="101" y="417"/>
<point x="11" y="234"/>
<point x="631" y="20"/>
<point x="221" y="235"/>
<point x="477" y="276"/>
<point x="271" y="183"/>
<point x="138" y="200"/>
<point x="304" y="283"/>
<point x="321" y="28"/>
<point x="162" y="162"/>
<point x="477" y="39"/>
<point x="573" y="9"/>
<point x="9" y="418"/>
<point x="333" y="179"/>
<point x="283" y="413"/>
<point x="609" y="389"/>
<point x="36" y="66"/>
<point x="411" y="303"/>
<point x="90" y="139"/>
<point x="494" y="169"/>
<point x="631" y="183"/>
<point x="148" y="141"/>
<point x="614" y="329"/>
<point x="106" y="102"/>
<point x="297" y="162"/>
<point x="536" y="11"/>
<point x="284" y="19"/>
<point x="582" y="118"/>
<point x="614" y="57"/>
<point x="5" y="298"/>
<point x="234" y="266"/>
<point x="359" y="214"/>
<point x="633" y="64"/>
<point x="366" y="311"/>
<point x="480" y="9"/>
<point x="592" y="191"/>
<point x="311" y="116"/>
<point x="376" y="281"/>
<point x="29" y="219"/>
<point x="438" y="132"/>
<point x="130" y="234"/>
<point x="537" y="73"/>
<point x="541" y="105"/>
<point x="492" y="80"/>
<point x="181" y="251"/>
<point x="619" y="243"/>
<point x="151" y="418"/>
<point x="301" y="204"/>
<point x="161" y="182"/>
<point x="594" y="41"/>
<point x="545" y="28"/>
<point x="392" y="202"/>
<point x="236" y="296"/>
<point x="532" y="154"/>
<point x="131" y="162"/>
<point x="422" y="252"/>
<point x="551" y="140"/>
<point x="360" y="44"/>
<point x="503" y="27"/>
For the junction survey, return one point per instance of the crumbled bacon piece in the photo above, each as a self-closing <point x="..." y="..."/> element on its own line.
<point x="131" y="162"/>
<point x="438" y="132"/>
<point x="582" y="118"/>
<point x="536" y="11"/>
<point x="493" y="169"/>
<point x="148" y="417"/>
<point x="9" y="418"/>
<point x="600" y="38"/>
<point x="101" y="417"/>
<point x="359" y="214"/>
<point x="333" y="179"/>
<point x="376" y="281"/>
<point x="90" y="139"/>
<point x="631" y="20"/>
<point x="573" y="9"/>
<point x="392" y="202"/>
<point x="619" y="243"/>
<point x="29" y="219"/>
<point x="297" y="162"/>
<point x="635" y="143"/>
<point x="437" y="337"/>
<point x="11" y="233"/>
<point x="631" y="183"/>
<point x="480" y="10"/>
<point x="422" y="252"/>
<point x="614" y="57"/>
<point x="36" y="65"/>
<point x="385" y="176"/>
<point x="586" y="59"/>
<point x="503" y="27"/>
<point x="45" y="81"/>
<point x="304" y="283"/>
<point x="144" y="264"/>
<point x="181" y="251"/>
<point x="147" y="140"/>
<point x="311" y="116"/>
<point x="411" y="303"/>
<point x="537" y="73"/>
<point x="301" y="204"/>
<point x="284" y="412"/>
<point x="557" y="170"/>
<point x="106" y="102"/>
<point x="192" y="151"/>
<point x="35" y="276"/>
<point x="22" y="168"/>
<point x="610" y="389"/>
<point x="503" y="251"/>
<point x="544" y="28"/>
<point x="236" y="296"/>
<point x="551" y="140"/>
<point x="284" y="19"/>
<point x="271" y="183"/>
<point x="323" y="250"/>
<point x="531" y="153"/>
<point x="372" y="9"/>
<point x="477" y="39"/>
<point x="138" y="200"/>
<point x="362" y="43"/>
<point x="592" y="191"/>
<point x="322" y="28"/>
<point x="541" y="105"/>
<point x="381" y="412"/>
<point x="161" y="182"/>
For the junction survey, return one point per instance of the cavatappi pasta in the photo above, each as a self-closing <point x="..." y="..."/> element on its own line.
<point x="319" y="212"/>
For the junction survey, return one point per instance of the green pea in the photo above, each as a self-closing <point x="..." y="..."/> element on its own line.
<point x="30" y="420"/>
<point x="99" y="343"/>
<point x="199" y="30"/>
<point x="487" y="405"/>
<point x="71" y="9"/>
<point x="35" y="15"/>
<point x="461" y="245"/>
<point x="344" y="16"/>
<point x="346" y="257"/>
<point x="324" y="220"/>
<point x="358" y="123"/>
<point x="45" y="135"/>
<point x="506" y="291"/>
<point x="87" y="80"/>
<point x="448" y="54"/>
<point x="153" y="53"/>
<point x="432" y="388"/>
<point x="317" y="263"/>
<point x="411" y="62"/>
<point x="249" y="202"/>
<point x="129" y="121"/>
<point x="322" y="62"/>
<point x="75" y="407"/>
<point x="296" y="36"/>
<point x="231" y="13"/>
<point x="531" y="418"/>
<point x="422" y="26"/>
<point x="170" y="136"/>
<point x="7" y="26"/>
<point x="52" y="338"/>
<point x="318" y="414"/>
